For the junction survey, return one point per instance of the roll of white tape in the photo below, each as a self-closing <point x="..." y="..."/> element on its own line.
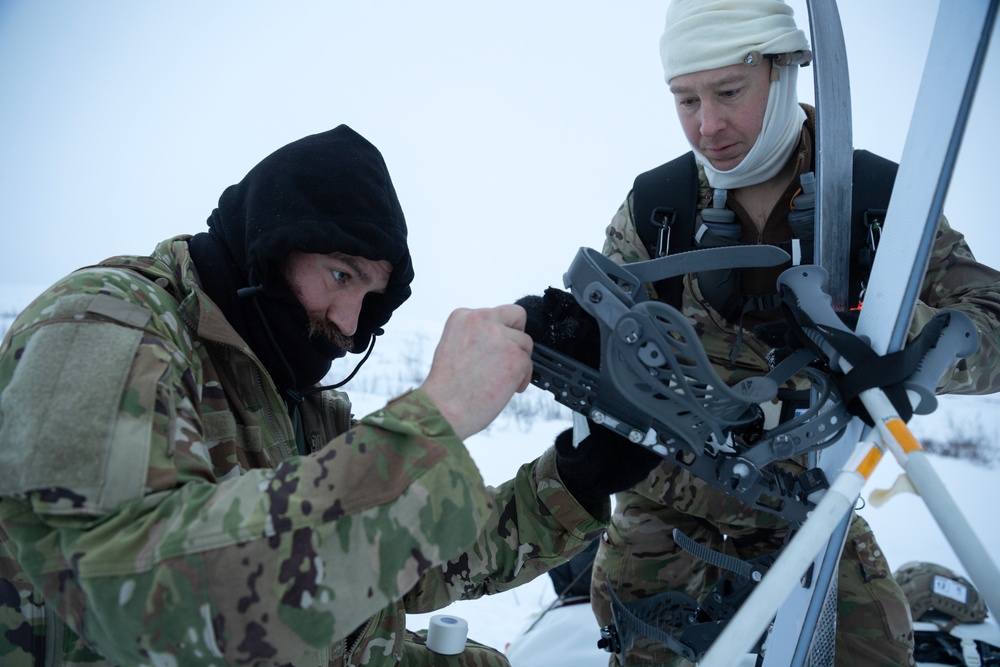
<point x="446" y="634"/>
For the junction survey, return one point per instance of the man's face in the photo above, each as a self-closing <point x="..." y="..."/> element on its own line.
<point x="722" y="110"/>
<point x="331" y="289"/>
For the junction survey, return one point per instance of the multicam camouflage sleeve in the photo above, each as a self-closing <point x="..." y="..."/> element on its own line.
<point x="256" y="565"/>
<point x="536" y="525"/>
<point x="957" y="281"/>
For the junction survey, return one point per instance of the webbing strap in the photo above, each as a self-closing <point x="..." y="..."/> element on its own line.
<point x="672" y="190"/>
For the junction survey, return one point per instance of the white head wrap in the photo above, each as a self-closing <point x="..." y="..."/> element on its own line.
<point x="706" y="34"/>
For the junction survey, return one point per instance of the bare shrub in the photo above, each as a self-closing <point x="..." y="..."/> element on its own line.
<point x="968" y="441"/>
<point x="415" y="360"/>
<point x="6" y="319"/>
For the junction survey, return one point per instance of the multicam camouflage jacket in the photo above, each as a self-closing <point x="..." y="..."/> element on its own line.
<point x="153" y="510"/>
<point x="954" y="280"/>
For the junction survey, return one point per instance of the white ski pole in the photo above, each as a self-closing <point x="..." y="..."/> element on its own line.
<point x="757" y="611"/>
<point x="958" y="340"/>
<point x="968" y="547"/>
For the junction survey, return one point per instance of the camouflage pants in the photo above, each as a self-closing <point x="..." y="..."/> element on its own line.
<point x="416" y="654"/>
<point x="639" y="557"/>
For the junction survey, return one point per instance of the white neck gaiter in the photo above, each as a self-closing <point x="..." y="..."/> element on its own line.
<point x="779" y="135"/>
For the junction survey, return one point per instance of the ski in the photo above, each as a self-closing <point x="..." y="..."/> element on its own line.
<point x="806" y="623"/>
<point x="834" y="147"/>
<point x="958" y="46"/>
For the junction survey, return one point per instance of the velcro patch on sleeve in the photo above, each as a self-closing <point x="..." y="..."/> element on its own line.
<point x="60" y="412"/>
<point x="122" y="311"/>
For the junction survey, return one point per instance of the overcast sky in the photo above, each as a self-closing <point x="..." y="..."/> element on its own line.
<point x="512" y="130"/>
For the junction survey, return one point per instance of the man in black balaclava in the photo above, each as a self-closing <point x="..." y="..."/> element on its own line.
<point x="174" y="483"/>
<point x="327" y="192"/>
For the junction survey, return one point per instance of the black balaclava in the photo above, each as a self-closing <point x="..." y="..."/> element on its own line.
<point x="328" y="192"/>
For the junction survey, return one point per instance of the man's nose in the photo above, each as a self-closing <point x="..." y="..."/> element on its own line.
<point x="713" y="119"/>
<point x="344" y="313"/>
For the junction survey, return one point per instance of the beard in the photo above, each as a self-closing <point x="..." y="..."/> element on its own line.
<point x="321" y="328"/>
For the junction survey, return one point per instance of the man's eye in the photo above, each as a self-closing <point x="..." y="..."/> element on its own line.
<point x="339" y="276"/>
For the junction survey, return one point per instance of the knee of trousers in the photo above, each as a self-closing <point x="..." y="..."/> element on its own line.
<point x="873" y="616"/>
<point x="640" y="565"/>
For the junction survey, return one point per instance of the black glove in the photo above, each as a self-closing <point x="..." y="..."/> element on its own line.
<point x="557" y="321"/>
<point x="783" y="340"/>
<point x="602" y="464"/>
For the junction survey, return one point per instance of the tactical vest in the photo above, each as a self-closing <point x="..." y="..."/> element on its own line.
<point x="664" y="205"/>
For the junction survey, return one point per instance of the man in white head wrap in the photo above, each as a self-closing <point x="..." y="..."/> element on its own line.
<point x="709" y="43"/>
<point x="731" y="66"/>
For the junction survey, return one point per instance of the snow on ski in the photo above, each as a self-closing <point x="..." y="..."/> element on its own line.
<point x="958" y="46"/>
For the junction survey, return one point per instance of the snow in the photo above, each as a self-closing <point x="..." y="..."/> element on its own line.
<point x="904" y="527"/>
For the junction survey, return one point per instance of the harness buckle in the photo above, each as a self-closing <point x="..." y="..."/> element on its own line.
<point x="662" y="218"/>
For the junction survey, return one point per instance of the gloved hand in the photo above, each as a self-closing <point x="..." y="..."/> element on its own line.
<point x="602" y="464"/>
<point x="557" y="321"/>
<point x="782" y="339"/>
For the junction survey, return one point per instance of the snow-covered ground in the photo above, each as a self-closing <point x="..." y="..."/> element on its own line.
<point x="904" y="527"/>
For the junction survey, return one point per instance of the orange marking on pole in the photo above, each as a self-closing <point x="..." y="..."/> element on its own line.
<point x="897" y="427"/>
<point x="867" y="465"/>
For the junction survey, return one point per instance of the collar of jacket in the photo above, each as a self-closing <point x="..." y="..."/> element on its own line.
<point x="171" y="267"/>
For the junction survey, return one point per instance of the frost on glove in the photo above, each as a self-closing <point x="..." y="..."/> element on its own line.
<point x="557" y="321"/>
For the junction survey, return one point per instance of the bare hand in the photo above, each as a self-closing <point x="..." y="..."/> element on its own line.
<point x="482" y="359"/>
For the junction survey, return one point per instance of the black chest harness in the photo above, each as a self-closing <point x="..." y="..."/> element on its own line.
<point x="667" y="220"/>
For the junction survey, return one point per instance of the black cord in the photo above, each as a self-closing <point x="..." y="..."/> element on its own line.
<point x="251" y="293"/>
<point x="338" y="385"/>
